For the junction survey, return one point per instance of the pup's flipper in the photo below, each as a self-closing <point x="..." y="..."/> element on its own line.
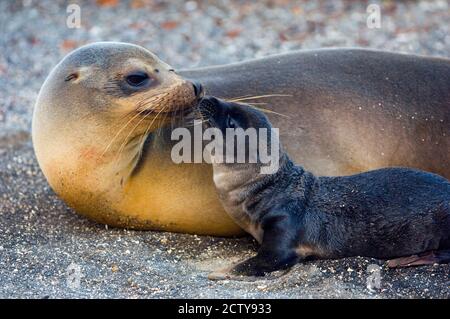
<point x="426" y="258"/>
<point x="277" y="251"/>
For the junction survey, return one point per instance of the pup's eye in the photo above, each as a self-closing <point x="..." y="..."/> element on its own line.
<point x="231" y="123"/>
<point x="137" y="79"/>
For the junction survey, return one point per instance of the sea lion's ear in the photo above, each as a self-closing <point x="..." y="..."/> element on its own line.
<point x="71" y="77"/>
<point x="78" y="74"/>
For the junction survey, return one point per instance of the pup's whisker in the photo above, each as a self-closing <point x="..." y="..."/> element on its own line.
<point x="267" y="110"/>
<point x="257" y="97"/>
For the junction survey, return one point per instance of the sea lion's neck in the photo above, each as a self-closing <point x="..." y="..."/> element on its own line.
<point x="89" y="161"/>
<point x="121" y="163"/>
<point x="236" y="182"/>
<point x="230" y="177"/>
<point x="246" y="194"/>
<point x="238" y="188"/>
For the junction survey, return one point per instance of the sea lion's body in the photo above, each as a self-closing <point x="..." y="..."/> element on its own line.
<point x="294" y="215"/>
<point x="326" y="131"/>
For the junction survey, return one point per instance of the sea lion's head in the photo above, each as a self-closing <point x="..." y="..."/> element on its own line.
<point x="250" y="147"/>
<point x="108" y="80"/>
<point x="97" y="107"/>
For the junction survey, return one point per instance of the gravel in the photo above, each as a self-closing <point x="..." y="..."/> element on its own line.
<point x="44" y="245"/>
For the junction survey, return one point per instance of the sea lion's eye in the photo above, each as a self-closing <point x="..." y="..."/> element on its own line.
<point x="137" y="79"/>
<point x="231" y="123"/>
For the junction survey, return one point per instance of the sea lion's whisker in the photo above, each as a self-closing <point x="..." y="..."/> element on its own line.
<point x="196" y="117"/>
<point x="237" y="97"/>
<point x="268" y="111"/>
<point x="161" y="127"/>
<point x="120" y="131"/>
<point x="122" y="146"/>
<point x="257" y="97"/>
<point x="147" y="129"/>
<point x="163" y="120"/>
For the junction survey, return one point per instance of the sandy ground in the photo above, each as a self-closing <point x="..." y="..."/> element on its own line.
<point x="44" y="244"/>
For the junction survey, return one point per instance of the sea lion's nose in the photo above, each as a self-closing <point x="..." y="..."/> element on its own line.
<point x="198" y="90"/>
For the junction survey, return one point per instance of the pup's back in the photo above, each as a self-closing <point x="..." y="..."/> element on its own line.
<point x="384" y="213"/>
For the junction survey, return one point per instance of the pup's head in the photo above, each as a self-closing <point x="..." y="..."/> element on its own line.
<point x="243" y="138"/>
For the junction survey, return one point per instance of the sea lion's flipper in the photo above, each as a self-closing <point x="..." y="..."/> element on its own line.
<point x="426" y="258"/>
<point x="276" y="251"/>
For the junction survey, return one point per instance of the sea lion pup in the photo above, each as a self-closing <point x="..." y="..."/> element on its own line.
<point x="294" y="215"/>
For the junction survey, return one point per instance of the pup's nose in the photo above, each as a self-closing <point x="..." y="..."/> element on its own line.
<point x="198" y="90"/>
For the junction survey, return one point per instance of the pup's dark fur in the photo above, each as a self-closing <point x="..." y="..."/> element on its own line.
<point x="385" y="213"/>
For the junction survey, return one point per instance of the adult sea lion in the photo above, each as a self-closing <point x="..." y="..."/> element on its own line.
<point x="385" y="213"/>
<point x="349" y="110"/>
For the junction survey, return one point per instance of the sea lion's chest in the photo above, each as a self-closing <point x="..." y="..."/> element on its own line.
<point x="235" y="204"/>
